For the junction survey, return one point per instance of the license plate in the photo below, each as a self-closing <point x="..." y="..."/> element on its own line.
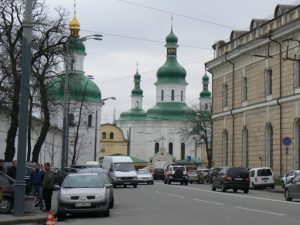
<point x="238" y="178"/>
<point x="82" y="204"/>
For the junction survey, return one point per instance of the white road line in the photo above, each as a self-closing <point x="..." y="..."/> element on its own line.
<point x="261" y="211"/>
<point x="200" y="200"/>
<point x="178" y="196"/>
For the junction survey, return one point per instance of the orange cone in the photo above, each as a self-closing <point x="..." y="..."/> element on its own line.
<point x="50" y="219"/>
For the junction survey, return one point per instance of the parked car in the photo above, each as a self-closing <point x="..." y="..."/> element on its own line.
<point x="144" y="176"/>
<point x="176" y="173"/>
<point x="158" y="174"/>
<point x="193" y="176"/>
<point x="106" y="179"/>
<point x="8" y="190"/>
<point x="236" y="178"/>
<point x="212" y="172"/>
<point x="83" y="193"/>
<point x="287" y="178"/>
<point x="261" y="178"/>
<point x="292" y="190"/>
<point x="203" y="175"/>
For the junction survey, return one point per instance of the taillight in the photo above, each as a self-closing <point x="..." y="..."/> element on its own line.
<point x="227" y="178"/>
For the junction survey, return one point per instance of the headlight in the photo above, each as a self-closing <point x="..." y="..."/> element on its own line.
<point x="64" y="197"/>
<point x="100" y="197"/>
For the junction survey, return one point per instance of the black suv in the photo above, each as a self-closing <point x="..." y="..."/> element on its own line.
<point x="176" y="173"/>
<point x="236" y="178"/>
<point x="158" y="174"/>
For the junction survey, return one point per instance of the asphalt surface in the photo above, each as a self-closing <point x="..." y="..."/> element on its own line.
<point x="193" y="204"/>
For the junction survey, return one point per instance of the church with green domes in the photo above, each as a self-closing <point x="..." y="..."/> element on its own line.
<point x="156" y="134"/>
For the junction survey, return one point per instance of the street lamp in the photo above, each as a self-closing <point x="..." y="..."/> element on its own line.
<point x="65" y="137"/>
<point x="96" y="125"/>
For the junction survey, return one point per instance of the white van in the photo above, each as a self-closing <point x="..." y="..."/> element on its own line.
<point x="261" y="178"/>
<point x="121" y="170"/>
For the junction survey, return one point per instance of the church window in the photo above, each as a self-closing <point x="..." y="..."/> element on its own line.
<point x="297" y="73"/>
<point x="103" y="135"/>
<point x="90" y="120"/>
<point x="156" y="148"/>
<point x="268" y="77"/>
<point x="245" y="89"/>
<point x="71" y="120"/>
<point x="137" y="105"/>
<point x="245" y="148"/>
<point x="206" y="106"/>
<point x="172" y="95"/>
<point x="162" y="95"/>
<point x="111" y="135"/>
<point x="181" y="96"/>
<point x="171" y="148"/>
<point x="225" y="95"/>
<point x="182" y="151"/>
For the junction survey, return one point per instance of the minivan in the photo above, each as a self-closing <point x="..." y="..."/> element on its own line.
<point x="261" y="177"/>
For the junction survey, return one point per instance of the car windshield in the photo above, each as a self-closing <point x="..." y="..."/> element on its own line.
<point x="83" y="181"/>
<point x="264" y="172"/>
<point x="143" y="172"/>
<point x="125" y="167"/>
<point x="105" y="178"/>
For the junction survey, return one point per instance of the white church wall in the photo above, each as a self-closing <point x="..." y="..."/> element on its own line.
<point x="167" y="92"/>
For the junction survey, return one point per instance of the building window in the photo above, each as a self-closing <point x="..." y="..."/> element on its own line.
<point x="269" y="145"/>
<point x="162" y="95"/>
<point x="181" y="96"/>
<point x="111" y="135"/>
<point x="225" y="148"/>
<point x="90" y="121"/>
<point x="297" y="73"/>
<point x="103" y="135"/>
<point x="245" y="89"/>
<point x="225" y="95"/>
<point x="71" y="120"/>
<point x="245" y="148"/>
<point x="171" y="148"/>
<point x="156" y="148"/>
<point x="268" y="77"/>
<point x="182" y="151"/>
<point x="206" y="106"/>
<point x="137" y="105"/>
<point x="172" y="95"/>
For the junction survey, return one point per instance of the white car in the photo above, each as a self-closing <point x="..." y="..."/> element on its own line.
<point x="261" y="178"/>
<point x="81" y="193"/>
<point x="286" y="179"/>
<point x="144" y="176"/>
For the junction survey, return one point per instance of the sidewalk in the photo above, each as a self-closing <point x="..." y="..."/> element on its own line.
<point x="37" y="216"/>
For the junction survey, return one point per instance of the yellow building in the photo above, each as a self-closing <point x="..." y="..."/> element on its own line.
<point x="112" y="141"/>
<point x="256" y="94"/>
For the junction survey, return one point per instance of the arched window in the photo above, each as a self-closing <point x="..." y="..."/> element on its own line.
<point x="111" y="135"/>
<point x="269" y="145"/>
<point x="156" y="148"/>
<point x="225" y="148"/>
<point x="206" y="106"/>
<point x="103" y="135"/>
<point x="162" y="95"/>
<point x="182" y="151"/>
<point x="137" y="105"/>
<point x="172" y="95"/>
<point x="181" y="96"/>
<point x="297" y="144"/>
<point x="245" y="148"/>
<point x="90" y="121"/>
<point x="171" y="148"/>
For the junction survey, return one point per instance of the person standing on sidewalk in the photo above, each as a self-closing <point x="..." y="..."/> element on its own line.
<point x="2" y="166"/>
<point x="48" y="186"/>
<point x="12" y="171"/>
<point x="36" y="180"/>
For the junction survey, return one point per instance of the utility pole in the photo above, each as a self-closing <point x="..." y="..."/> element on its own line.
<point x="23" y="114"/>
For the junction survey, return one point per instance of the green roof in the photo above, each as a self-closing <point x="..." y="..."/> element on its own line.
<point x="171" y="72"/>
<point x="205" y="93"/>
<point x="170" y="111"/>
<point x="76" y="45"/>
<point x="80" y="87"/>
<point x="137" y="91"/>
<point x="171" y="38"/>
<point x="133" y="114"/>
<point x="189" y="162"/>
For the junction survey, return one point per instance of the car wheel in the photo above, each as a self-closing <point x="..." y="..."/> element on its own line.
<point x="287" y="195"/>
<point x="152" y="182"/>
<point x="246" y="191"/>
<point x="165" y="180"/>
<point x="223" y="188"/>
<point x="135" y="185"/>
<point x="253" y="186"/>
<point x="273" y="186"/>
<point x="112" y="202"/>
<point x="6" y="205"/>
<point x="186" y="183"/>
<point x="106" y="213"/>
<point x="114" y="185"/>
<point x="181" y="183"/>
<point x="125" y="185"/>
<point x="213" y="187"/>
<point x="60" y="214"/>
<point x="235" y="190"/>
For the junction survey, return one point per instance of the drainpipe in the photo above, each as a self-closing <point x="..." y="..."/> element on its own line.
<point x="278" y="103"/>
<point x="232" y="106"/>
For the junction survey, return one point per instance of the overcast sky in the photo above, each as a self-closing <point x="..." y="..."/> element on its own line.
<point x="135" y="30"/>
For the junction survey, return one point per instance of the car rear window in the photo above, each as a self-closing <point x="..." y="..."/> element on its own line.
<point x="264" y="172"/>
<point x="242" y="172"/>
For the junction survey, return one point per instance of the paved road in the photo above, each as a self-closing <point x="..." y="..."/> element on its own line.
<point x="194" y="204"/>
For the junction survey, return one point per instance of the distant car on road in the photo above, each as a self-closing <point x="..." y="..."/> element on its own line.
<point x="236" y="178"/>
<point x="158" y="174"/>
<point x="144" y="176"/>
<point x="193" y="176"/>
<point x="203" y="175"/>
<point x="286" y="179"/>
<point x="176" y="173"/>
<point x="261" y="178"/>
<point x="292" y="190"/>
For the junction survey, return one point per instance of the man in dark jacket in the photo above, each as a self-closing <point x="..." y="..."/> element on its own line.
<point x="48" y="186"/>
<point x="2" y="166"/>
<point x="36" y="180"/>
<point x="12" y="171"/>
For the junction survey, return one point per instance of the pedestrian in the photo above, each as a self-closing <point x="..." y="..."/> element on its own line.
<point x="2" y="166"/>
<point x="12" y="171"/>
<point x="36" y="180"/>
<point x="48" y="186"/>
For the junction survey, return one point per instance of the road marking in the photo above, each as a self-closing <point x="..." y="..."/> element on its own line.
<point x="200" y="200"/>
<point x="178" y="196"/>
<point x="261" y="211"/>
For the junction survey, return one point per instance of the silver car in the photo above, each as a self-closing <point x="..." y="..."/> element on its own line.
<point x="81" y="193"/>
<point x="292" y="190"/>
<point x="286" y="179"/>
<point x="144" y="176"/>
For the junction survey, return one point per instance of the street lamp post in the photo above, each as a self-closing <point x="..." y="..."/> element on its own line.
<point x="65" y="136"/>
<point x="96" y="125"/>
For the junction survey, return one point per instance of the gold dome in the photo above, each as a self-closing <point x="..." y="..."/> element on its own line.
<point x="74" y="26"/>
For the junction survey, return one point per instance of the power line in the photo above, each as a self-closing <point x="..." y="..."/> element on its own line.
<point x="177" y="14"/>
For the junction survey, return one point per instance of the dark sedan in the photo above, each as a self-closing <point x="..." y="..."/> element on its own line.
<point x="292" y="190"/>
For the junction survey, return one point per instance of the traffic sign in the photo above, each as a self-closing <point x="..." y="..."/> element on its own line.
<point x="287" y="141"/>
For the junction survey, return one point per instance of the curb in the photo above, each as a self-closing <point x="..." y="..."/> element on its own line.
<point x="22" y="220"/>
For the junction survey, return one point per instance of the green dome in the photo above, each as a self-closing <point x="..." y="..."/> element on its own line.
<point x="133" y="114"/>
<point x="170" y="111"/>
<point x="80" y="87"/>
<point x="171" y="38"/>
<point x="205" y="93"/>
<point x="205" y="78"/>
<point x="76" y="45"/>
<point x="137" y="91"/>
<point x="171" y="72"/>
